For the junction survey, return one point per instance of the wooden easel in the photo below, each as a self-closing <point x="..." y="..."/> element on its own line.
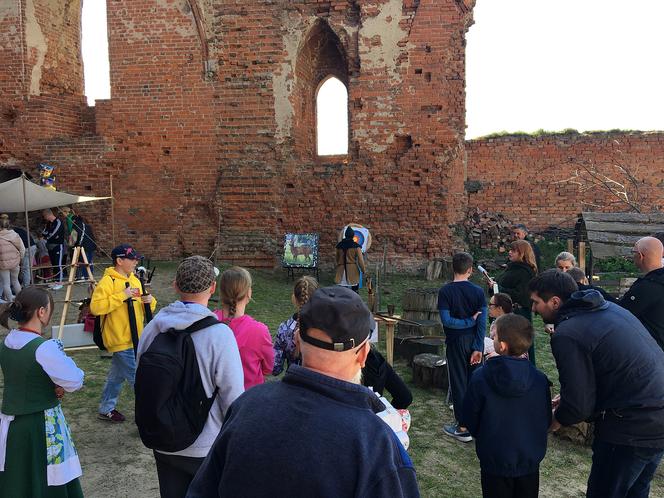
<point x="78" y="253"/>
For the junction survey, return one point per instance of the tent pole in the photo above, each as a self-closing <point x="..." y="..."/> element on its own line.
<point x="27" y="226"/>
<point x="112" y="214"/>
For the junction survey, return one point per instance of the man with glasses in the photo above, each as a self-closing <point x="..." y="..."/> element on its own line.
<point x="315" y="433"/>
<point x="645" y="299"/>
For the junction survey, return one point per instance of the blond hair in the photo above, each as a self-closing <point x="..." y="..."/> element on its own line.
<point x="303" y="289"/>
<point x="234" y="286"/>
<point x="525" y="252"/>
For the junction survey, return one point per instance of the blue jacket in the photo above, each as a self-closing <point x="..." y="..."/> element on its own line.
<point x="611" y="371"/>
<point x="507" y="409"/>
<point x="457" y="303"/>
<point x="308" y="435"/>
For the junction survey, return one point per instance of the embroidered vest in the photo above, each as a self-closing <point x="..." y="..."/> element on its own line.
<point x="28" y="389"/>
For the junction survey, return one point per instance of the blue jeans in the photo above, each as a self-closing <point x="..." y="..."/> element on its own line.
<point x="123" y="367"/>
<point x="620" y="471"/>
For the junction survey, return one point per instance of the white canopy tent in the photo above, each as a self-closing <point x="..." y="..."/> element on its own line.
<point x="21" y="195"/>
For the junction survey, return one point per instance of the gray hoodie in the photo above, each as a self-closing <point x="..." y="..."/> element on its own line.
<point x="218" y="360"/>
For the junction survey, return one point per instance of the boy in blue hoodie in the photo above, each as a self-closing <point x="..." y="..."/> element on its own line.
<point x="507" y="409"/>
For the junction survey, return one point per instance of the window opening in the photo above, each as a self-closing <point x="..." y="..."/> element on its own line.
<point x="94" y="49"/>
<point x="332" y="118"/>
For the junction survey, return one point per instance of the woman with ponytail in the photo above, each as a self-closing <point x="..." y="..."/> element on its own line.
<point x="285" y="349"/>
<point x="37" y="454"/>
<point x="253" y="337"/>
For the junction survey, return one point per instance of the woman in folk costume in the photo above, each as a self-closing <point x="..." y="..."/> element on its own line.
<point x="349" y="261"/>
<point x="37" y="456"/>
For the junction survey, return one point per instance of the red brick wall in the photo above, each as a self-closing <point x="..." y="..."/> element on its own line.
<point x="206" y="136"/>
<point x="525" y="177"/>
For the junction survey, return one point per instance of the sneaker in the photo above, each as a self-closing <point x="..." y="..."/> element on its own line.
<point x="453" y="431"/>
<point x="56" y="287"/>
<point x="112" y="416"/>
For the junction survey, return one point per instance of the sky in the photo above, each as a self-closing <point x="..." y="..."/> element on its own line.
<point x="530" y="64"/>
<point x="556" y="64"/>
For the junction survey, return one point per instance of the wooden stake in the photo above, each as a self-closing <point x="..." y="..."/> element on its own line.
<point x="582" y="256"/>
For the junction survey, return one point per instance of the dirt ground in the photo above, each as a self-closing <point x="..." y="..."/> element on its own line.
<point x="116" y="464"/>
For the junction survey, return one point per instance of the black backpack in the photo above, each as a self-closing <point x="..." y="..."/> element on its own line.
<point x="171" y="404"/>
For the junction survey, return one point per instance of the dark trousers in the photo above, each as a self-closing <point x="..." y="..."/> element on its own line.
<point x="458" y="351"/>
<point x="622" y="471"/>
<point x="510" y="487"/>
<point x="58" y="258"/>
<point x="175" y="473"/>
<point x="379" y="375"/>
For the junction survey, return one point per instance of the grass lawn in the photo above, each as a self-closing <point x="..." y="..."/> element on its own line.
<point x="115" y="463"/>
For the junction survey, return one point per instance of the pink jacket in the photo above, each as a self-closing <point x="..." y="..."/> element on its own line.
<point x="11" y="249"/>
<point x="255" y="345"/>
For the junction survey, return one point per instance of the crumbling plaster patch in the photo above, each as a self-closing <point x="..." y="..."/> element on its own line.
<point x="283" y="79"/>
<point x="36" y="44"/>
<point x="384" y="27"/>
<point x="8" y="8"/>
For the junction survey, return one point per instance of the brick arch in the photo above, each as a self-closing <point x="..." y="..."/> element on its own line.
<point x="321" y="55"/>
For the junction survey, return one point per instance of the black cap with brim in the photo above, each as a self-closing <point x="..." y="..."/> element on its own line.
<point x="341" y="314"/>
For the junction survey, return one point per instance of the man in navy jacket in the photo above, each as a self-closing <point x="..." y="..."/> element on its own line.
<point x="611" y="372"/>
<point x="315" y="433"/>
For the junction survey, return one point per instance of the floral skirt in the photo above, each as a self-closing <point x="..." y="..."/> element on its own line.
<point x="39" y="451"/>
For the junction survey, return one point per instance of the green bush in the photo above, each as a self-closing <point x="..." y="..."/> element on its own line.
<point x="616" y="264"/>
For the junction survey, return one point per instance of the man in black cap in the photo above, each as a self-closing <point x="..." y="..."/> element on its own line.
<point x="118" y="291"/>
<point x="315" y="433"/>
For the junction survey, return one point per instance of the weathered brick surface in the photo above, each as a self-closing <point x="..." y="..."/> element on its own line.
<point x="525" y="177"/>
<point x="209" y="133"/>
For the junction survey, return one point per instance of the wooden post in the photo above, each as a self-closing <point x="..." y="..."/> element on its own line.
<point x="582" y="256"/>
<point x="389" y="341"/>
<point x="27" y="228"/>
<point x="112" y="214"/>
<point x="570" y="246"/>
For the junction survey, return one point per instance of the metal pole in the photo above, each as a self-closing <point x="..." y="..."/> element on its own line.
<point x="27" y="226"/>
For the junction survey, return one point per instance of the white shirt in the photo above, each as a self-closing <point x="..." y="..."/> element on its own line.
<point x="58" y="366"/>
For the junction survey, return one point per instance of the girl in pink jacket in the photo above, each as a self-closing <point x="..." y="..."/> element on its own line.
<point x="253" y="337"/>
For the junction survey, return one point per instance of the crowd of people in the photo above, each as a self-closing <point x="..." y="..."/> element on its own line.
<point x="22" y="253"/>
<point x="217" y="428"/>
<point x="610" y="360"/>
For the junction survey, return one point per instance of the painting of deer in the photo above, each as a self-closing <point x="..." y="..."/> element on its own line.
<point x="301" y="250"/>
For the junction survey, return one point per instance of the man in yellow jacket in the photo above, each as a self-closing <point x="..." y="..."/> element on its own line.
<point x="109" y="300"/>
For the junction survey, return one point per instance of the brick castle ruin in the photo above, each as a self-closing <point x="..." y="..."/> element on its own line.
<point x="210" y="130"/>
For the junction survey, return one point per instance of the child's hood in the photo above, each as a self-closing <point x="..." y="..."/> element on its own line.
<point x="508" y="376"/>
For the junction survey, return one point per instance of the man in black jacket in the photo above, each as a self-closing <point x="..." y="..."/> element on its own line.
<point x="315" y="433"/>
<point x="54" y="234"/>
<point x="611" y="372"/>
<point x="645" y="299"/>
